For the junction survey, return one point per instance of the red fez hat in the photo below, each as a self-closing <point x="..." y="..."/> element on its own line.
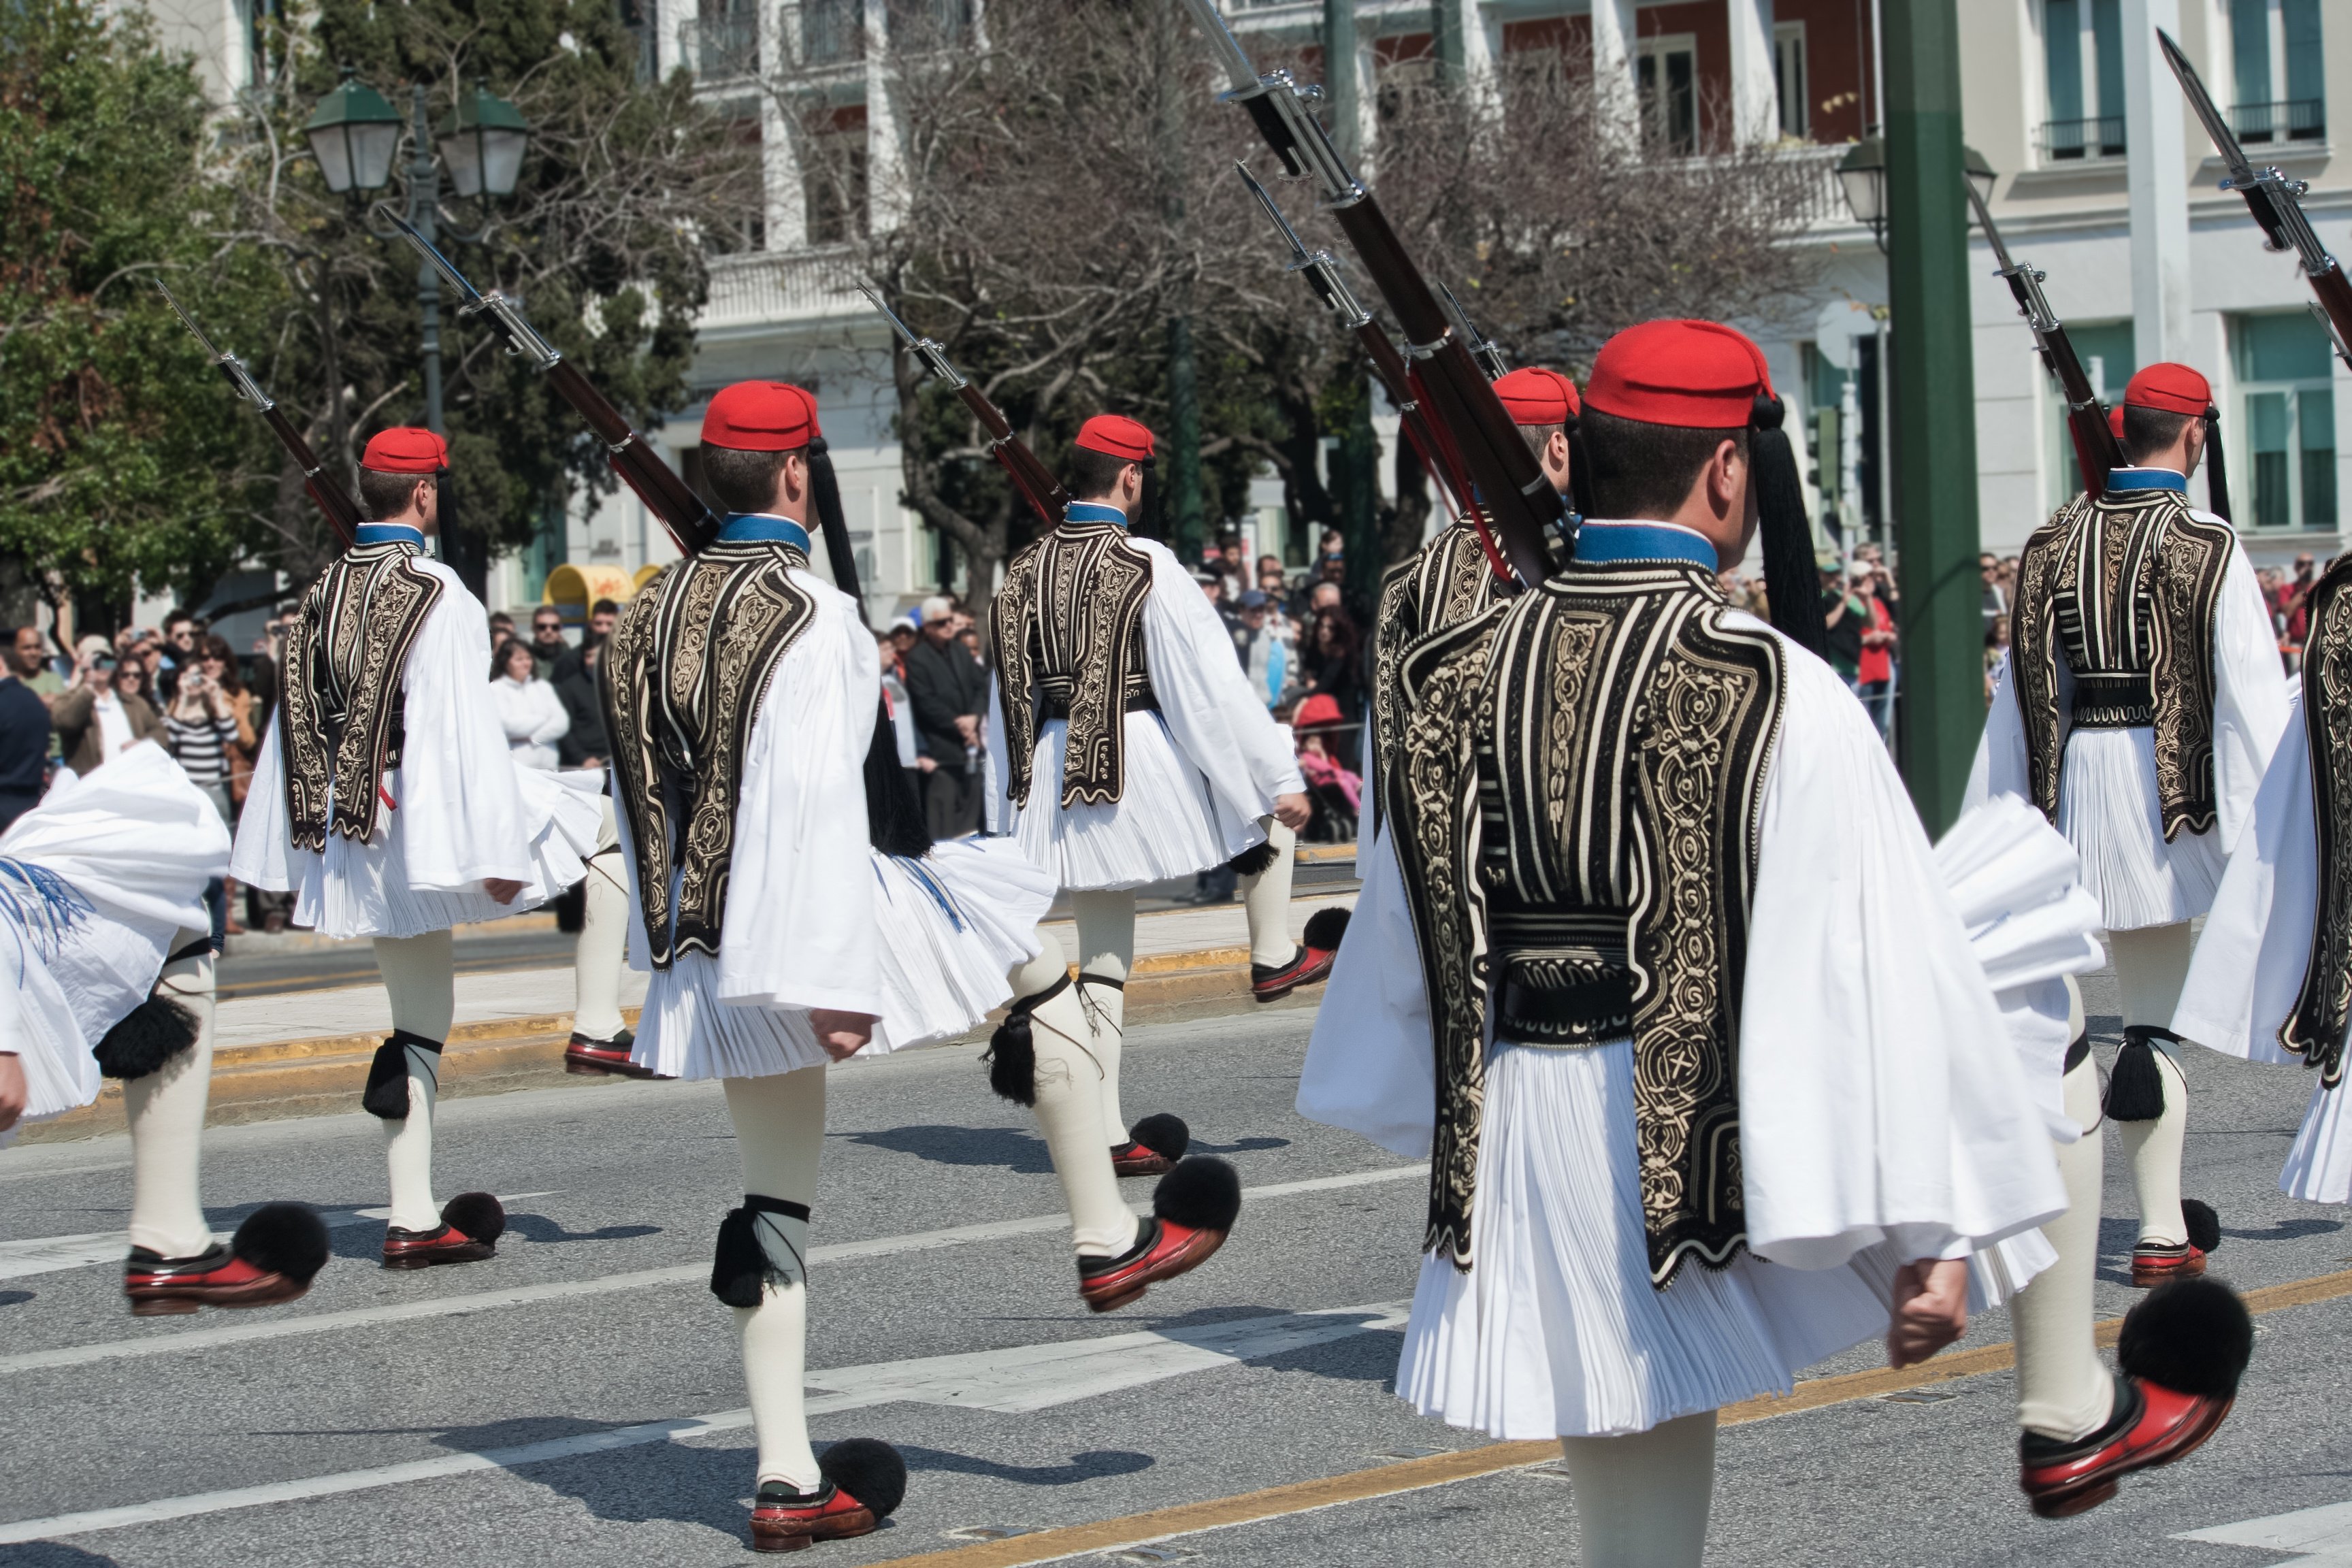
<point x="405" y="450"/>
<point x="2174" y="388"/>
<point x="1117" y="436"/>
<point x="1534" y="396"/>
<point x="1702" y="375"/>
<point x="759" y="416"/>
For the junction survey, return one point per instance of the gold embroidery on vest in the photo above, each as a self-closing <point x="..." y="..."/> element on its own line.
<point x="341" y="710"/>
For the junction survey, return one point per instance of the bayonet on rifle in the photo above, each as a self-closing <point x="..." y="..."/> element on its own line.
<point x="692" y="525"/>
<point x="1511" y="486"/>
<point x="2276" y="202"/>
<point x="1038" y="486"/>
<point x="1322" y="270"/>
<point x="326" y="492"/>
<point x="1482" y="347"/>
<point x="2095" y="448"/>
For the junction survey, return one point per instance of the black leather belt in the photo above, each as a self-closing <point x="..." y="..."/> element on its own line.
<point x="2121" y="701"/>
<point x="1054" y="705"/>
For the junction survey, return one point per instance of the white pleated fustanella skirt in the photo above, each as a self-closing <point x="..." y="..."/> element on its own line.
<point x="1556" y="1330"/>
<point x="952" y="927"/>
<point x="2108" y="810"/>
<point x="1166" y="822"/>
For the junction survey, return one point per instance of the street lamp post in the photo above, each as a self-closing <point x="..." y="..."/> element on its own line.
<point x="354" y="135"/>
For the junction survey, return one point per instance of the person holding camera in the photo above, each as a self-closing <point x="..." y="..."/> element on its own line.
<point x="104" y="708"/>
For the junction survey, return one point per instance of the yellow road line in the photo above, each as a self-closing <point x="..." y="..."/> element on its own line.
<point x="1442" y="1469"/>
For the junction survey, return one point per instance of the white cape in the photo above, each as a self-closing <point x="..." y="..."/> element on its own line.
<point x="136" y="842"/>
<point x="462" y="812"/>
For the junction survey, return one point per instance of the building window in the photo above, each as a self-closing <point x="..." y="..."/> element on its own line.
<point x="2109" y="358"/>
<point x="1667" y="73"/>
<point x="833" y="182"/>
<point x="1790" y="79"/>
<point x="2274" y="49"/>
<point x="2285" y="435"/>
<point x="832" y="31"/>
<point x="2082" y="64"/>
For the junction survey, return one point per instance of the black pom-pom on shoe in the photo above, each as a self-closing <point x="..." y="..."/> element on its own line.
<point x="1202" y="1192"/>
<point x="2204" y="1224"/>
<point x="283" y="1239"/>
<point x="1252" y="861"/>
<point x="869" y="1469"/>
<point x="2192" y="1336"/>
<point x="1326" y="927"/>
<point x="1163" y="1134"/>
<point x="477" y="1216"/>
<point x="146" y="1038"/>
<point x="2135" y="1086"/>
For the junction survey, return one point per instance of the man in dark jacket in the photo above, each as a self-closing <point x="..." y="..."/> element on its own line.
<point x="583" y="744"/>
<point x="947" y="689"/>
<point x="23" y="743"/>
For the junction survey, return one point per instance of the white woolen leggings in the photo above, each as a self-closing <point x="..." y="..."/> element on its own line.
<point x="1105" y="922"/>
<point x="1266" y="898"/>
<point x="1070" y="1108"/>
<point x="421" y="979"/>
<point x="166" y="1109"/>
<point x="2062" y="1389"/>
<point x="2150" y="965"/>
<point x="1642" y="1499"/>
<point x="780" y="1135"/>
<point x="599" y="960"/>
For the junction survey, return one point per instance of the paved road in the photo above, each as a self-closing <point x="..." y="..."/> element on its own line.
<point x="267" y="967"/>
<point x="591" y="1346"/>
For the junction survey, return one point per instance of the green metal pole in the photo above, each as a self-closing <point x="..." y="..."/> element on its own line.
<point x="1941" y="705"/>
<point x="1342" y="110"/>
<point x="1445" y="39"/>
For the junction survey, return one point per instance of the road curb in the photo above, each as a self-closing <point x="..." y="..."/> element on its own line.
<point x="322" y="1075"/>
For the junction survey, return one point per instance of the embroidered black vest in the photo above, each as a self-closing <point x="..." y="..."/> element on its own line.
<point x="1580" y="771"/>
<point x="1067" y="631"/>
<point x="340" y="724"/>
<point x="683" y="675"/>
<point x="1443" y="584"/>
<point x="2124" y="590"/>
<point x="2314" y="1029"/>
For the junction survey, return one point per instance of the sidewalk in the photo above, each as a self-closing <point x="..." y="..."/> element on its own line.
<point x="306" y="1053"/>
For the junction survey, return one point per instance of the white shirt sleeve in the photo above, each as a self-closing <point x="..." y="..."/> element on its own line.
<point x="800" y="928"/>
<point x="260" y="855"/>
<point x="2250" y="695"/>
<point x="1220" y="725"/>
<point x="464" y="820"/>
<point x="1880" y="1099"/>
<point x="1371" y="1066"/>
<point x="1003" y="815"/>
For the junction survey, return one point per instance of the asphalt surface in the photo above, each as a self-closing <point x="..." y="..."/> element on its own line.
<point x="265" y="966"/>
<point x="1225" y="1381"/>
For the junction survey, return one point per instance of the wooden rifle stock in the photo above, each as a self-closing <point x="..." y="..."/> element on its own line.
<point x="692" y="525"/>
<point x="327" y="493"/>
<point x="1038" y="487"/>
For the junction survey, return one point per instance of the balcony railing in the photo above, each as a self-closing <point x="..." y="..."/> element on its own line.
<point x="832" y="32"/>
<point x="721" y="49"/>
<point x="2068" y="140"/>
<point x="760" y="289"/>
<point x="2267" y="124"/>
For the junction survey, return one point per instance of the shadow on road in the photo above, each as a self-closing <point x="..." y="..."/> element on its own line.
<point x="1084" y="1467"/>
<point x="1005" y="1148"/>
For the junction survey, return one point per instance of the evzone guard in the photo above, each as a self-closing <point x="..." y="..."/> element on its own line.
<point x="2139" y="707"/>
<point x="2271" y="977"/>
<point x="1651" y="886"/>
<point x="101" y="904"/>
<point x="385" y="799"/>
<point x="1127" y="747"/>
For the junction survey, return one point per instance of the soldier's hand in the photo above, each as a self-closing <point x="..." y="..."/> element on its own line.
<point x="1931" y="1310"/>
<point x="842" y="1035"/>
<point x="1292" y="810"/>
<point x="501" y="890"/>
<point x="14" y="1095"/>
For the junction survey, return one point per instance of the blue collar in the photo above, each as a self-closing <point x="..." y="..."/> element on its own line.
<point x="744" y="527"/>
<point x="1093" y="511"/>
<point x="1605" y="542"/>
<point x="2147" y="479"/>
<point x="388" y="533"/>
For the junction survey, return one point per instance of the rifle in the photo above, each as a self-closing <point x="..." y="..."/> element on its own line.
<point x="1510" y="484"/>
<point x="1322" y="270"/>
<point x="2095" y="447"/>
<point x="692" y="525"/>
<point x="342" y="513"/>
<point x="1038" y="487"/>
<point x="2274" y="200"/>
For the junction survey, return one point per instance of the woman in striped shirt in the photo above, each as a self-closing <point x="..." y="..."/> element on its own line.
<point x="208" y="723"/>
